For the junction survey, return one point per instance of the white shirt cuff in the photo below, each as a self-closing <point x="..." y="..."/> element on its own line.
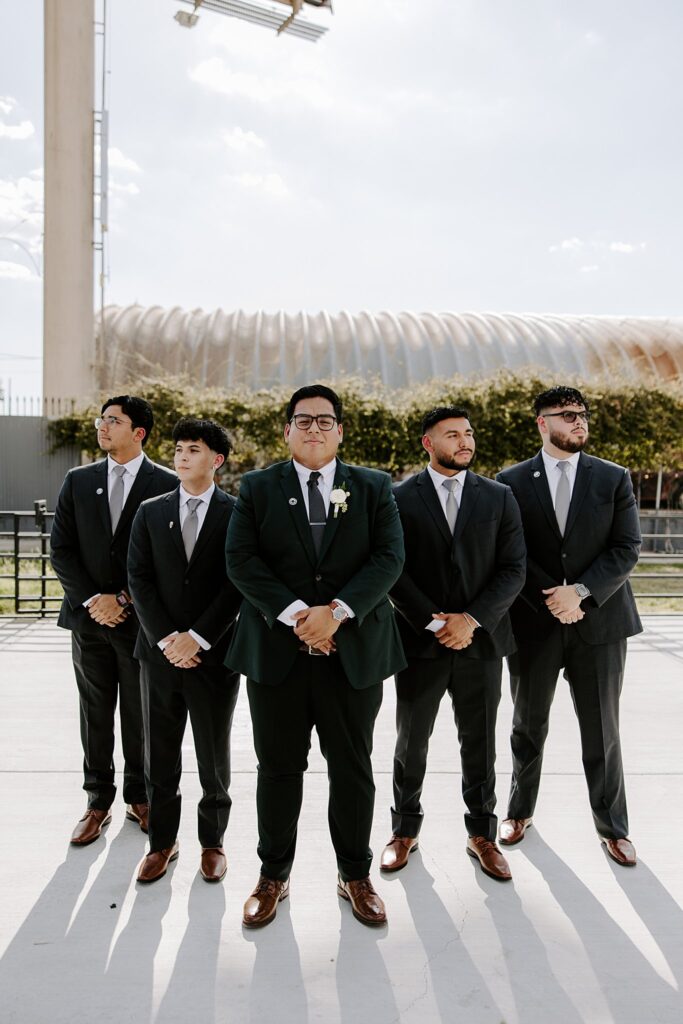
<point x="200" y="640"/>
<point x="86" y="603"/>
<point x="435" y="625"/>
<point x="161" y="644"/>
<point x="291" y="609"/>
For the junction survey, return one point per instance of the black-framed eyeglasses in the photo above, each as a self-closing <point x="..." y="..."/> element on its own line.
<point x="109" y="421"/>
<point x="569" y="415"/>
<point x="303" y="421"/>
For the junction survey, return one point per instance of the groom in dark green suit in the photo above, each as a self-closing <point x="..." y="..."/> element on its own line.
<point x="314" y="546"/>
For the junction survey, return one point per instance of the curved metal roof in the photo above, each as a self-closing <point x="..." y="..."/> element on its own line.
<point x="239" y="349"/>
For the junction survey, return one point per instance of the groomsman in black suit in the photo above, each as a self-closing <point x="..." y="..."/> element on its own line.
<point x="464" y="567"/>
<point x="574" y="614"/>
<point x="186" y="605"/>
<point x="314" y="545"/>
<point x="89" y="546"/>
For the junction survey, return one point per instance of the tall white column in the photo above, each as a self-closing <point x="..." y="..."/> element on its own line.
<point x="68" y="329"/>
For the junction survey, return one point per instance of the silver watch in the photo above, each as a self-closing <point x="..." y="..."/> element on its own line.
<point x="338" y="613"/>
<point x="582" y="590"/>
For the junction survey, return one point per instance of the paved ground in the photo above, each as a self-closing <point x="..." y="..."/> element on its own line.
<point x="573" y="938"/>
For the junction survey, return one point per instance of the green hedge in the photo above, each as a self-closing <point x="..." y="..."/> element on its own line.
<point x="637" y="426"/>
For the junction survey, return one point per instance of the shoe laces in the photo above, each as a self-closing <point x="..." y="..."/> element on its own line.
<point x="267" y="885"/>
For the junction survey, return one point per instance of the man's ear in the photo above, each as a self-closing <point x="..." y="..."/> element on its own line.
<point x="427" y="443"/>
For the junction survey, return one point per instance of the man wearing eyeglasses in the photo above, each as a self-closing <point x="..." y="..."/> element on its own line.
<point x="574" y="614"/>
<point x="89" y="547"/>
<point x="314" y="545"/>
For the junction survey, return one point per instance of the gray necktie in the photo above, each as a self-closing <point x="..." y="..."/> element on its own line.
<point x="451" y="502"/>
<point x="190" y="526"/>
<point x="116" y="497"/>
<point x="562" y="496"/>
<point x="316" y="511"/>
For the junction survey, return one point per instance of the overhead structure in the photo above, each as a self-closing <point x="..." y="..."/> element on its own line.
<point x="267" y="13"/>
<point x="253" y="350"/>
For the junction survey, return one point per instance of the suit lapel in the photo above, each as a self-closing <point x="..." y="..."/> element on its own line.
<point x="289" y="482"/>
<point x="341" y="479"/>
<point x="581" y="487"/>
<point x="100" y="486"/>
<point x="171" y="520"/>
<point x="427" y="492"/>
<point x="136" y="494"/>
<point x="470" y="496"/>
<point x="539" y="484"/>
<point x="215" y="515"/>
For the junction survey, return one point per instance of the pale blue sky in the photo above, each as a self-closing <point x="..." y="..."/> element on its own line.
<point x="484" y="155"/>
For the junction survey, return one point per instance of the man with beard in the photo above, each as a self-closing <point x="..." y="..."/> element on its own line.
<point x="575" y="612"/>
<point x="464" y="566"/>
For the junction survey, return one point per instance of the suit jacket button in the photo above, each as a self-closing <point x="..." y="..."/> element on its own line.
<point x="318" y="578"/>
<point x="563" y="555"/>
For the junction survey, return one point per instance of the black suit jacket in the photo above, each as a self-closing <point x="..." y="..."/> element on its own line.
<point x="272" y="560"/>
<point x="86" y="556"/>
<point x="172" y="594"/>
<point x="479" y="570"/>
<point x="599" y="548"/>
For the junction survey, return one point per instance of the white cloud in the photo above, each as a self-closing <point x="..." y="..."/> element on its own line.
<point x="271" y="185"/>
<point x="120" y="162"/>
<point x="129" y="189"/>
<point x="590" y="269"/>
<point x="626" y="247"/>
<point x="21" y="202"/>
<point x="567" y="245"/>
<point x="15" y="271"/>
<point x="242" y="141"/>
<point x="576" y="245"/>
<point x="17" y="131"/>
<point x="7" y="104"/>
<point x="215" y="75"/>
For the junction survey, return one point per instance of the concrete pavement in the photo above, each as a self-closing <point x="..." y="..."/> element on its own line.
<point x="573" y="938"/>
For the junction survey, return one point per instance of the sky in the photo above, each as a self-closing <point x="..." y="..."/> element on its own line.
<point x="425" y="155"/>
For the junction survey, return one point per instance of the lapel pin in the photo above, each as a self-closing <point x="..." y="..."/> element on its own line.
<point x="292" y="501"/>
<point x="99" y="490"/>
<point x="170" y="525"/>
<point x="537" y="473"/>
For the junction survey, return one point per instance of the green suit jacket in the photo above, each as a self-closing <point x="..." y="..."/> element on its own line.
<point x="271" y="560"/>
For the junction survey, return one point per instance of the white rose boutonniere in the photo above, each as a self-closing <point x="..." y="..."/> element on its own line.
<point x="338" y="498"/>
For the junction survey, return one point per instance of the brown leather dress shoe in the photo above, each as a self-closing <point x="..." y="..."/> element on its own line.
<point x="395" y="854"/>
<point x="213" y="864"/>
<point x="492" y="861"/>
<point x="139" y="813"/>
<point x="155" y="864"/>
<point x="512" y="830"/>
<point x="89" y="828"/>
<point x="621" y="850"/>
<point x="262" y="904"/>
<point x="366" y="905"/>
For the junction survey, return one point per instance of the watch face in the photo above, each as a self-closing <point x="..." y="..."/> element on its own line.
<point x="339" y="614"/>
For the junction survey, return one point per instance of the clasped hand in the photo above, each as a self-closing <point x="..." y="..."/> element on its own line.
<point x="565" y="604"/>
<point x="316" y="627"/>
<point x="182" y="650"/>
<point x="106" y="610"/>
<point x="456" y="632"/>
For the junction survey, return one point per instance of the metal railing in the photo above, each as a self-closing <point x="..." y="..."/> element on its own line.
<point x="20" y="545"/>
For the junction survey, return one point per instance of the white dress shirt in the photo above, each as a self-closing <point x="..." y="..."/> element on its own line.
<point x="325" y="486"/>
<point x="442" y="494"/>
<point x="553" y="474"/>
<point x="201" y="510"/>
<point x="132" y="468"/>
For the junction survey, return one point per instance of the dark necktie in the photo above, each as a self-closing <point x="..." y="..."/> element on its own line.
<point x="116" y="497"/>
<point x="562" y="496"/>
<point x="316" y="511"/>
<point x="190" y="526"/>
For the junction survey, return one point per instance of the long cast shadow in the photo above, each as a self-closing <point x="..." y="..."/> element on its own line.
<point x="277" y="991"/>
<point x="364" y="989"/>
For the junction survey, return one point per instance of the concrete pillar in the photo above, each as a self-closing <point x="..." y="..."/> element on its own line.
<point x="68" y="334"/>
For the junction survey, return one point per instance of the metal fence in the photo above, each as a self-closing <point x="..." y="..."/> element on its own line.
<point x="35" y="590"/>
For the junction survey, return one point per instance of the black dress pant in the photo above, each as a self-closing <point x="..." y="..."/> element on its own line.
<point x="107" y="672"/>
<point x="169" y="694"/>
<point x="316" y="693"/>
<point x="595" y="674"/>
<point x="474" y="689"/>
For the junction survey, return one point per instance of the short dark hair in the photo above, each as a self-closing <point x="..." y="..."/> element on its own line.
<point x="559" y="395"/>
<point x="138" y="411"/>
<point x="443" y="412"/>
<point x="214" y="436"/>
<point x="315" y="391"/>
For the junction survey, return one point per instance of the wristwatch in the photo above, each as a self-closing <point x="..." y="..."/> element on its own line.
<point x="582" y="590"/>
<point x="123" y="599"/>
<point x="339" y="614"/>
